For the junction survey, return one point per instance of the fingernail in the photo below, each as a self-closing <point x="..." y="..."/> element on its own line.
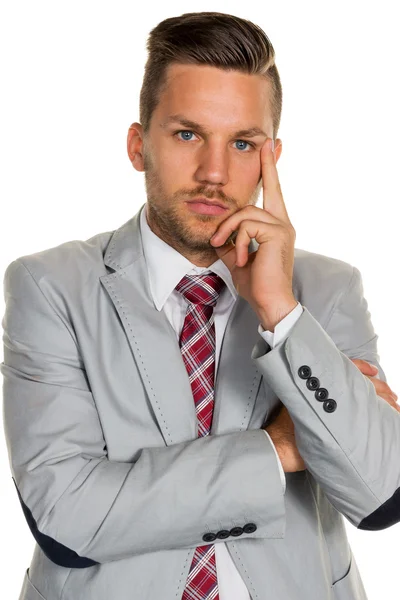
<point x="374" y="368"/>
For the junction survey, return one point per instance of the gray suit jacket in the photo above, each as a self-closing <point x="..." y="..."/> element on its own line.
<point x="101" y="431"/>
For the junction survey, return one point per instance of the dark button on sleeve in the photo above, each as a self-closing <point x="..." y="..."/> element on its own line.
<point x="209" y="537"/>
<point x="312" y="383"/>
<point x="330" y="405"/>
<point x="250" y="527"/>
<point x="236" y="531"/>
<point x="304" y="372"/>
<point x="321" y="394"/>
<point x="223" y="534"/>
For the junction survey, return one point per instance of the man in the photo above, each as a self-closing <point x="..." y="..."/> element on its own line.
<point x="184" y="413"/>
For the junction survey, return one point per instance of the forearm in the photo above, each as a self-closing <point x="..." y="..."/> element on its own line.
<point x="347" y="466"/>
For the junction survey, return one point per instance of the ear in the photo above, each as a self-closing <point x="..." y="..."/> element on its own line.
<point x="278" y="149"/>
<point x="135" y="146"/>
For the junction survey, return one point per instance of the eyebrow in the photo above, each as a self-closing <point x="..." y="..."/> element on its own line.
<point x="250" y="132"/>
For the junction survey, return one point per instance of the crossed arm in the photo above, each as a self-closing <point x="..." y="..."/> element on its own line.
<point x="281" y="430"/>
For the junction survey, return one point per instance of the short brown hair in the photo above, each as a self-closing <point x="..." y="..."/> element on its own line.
<point x="208" y="38"/>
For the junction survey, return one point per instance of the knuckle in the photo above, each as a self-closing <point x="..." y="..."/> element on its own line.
<point x="248" y="209"/>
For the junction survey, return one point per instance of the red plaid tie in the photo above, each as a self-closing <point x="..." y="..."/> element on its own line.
<point x="197" y="343"/>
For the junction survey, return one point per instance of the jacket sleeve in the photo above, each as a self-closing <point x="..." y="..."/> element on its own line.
<point x="347" y="435"/>
<point x="83" y="508"/>
<point x="273" y="338"/>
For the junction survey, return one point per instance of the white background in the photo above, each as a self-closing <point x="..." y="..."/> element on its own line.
<point x="71" y="74"/>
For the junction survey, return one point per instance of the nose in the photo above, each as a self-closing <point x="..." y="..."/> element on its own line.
<point x="213" y="165"/>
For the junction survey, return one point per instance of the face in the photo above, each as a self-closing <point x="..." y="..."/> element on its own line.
<point x="193" y="150"/>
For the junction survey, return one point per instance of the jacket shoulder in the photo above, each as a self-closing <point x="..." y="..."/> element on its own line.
<point x="320" y="282"/>
<point x="312" y="265"/>
<point x="67" y="261"/>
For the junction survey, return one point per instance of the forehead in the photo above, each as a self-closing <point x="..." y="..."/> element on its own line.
<point x="215" y="96"/>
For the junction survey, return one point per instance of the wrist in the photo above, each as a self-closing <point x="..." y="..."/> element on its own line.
<point x="279" y="446"/>
<point x="271" y="315"/>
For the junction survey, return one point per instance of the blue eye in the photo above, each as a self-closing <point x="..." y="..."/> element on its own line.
<point x="241" y="142"/>
<point x="185" y="131"/>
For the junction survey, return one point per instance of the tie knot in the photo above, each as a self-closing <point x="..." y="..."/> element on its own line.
<point x="201" y="289"/>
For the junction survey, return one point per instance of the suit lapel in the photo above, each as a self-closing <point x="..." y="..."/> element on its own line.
<point x="156" y="351"/>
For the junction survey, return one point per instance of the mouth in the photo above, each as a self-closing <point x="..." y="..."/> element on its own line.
<point x="203" y="206"/>
<point x="208" y="202"/>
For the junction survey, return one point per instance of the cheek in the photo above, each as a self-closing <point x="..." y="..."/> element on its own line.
<point x="174" y="164"/>
<point x="248" y="172"/>
<point x="173" y="172"/>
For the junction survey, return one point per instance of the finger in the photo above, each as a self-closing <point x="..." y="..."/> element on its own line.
<point x="381" y="387"/>
<point x="261" y="232"/>
<point x="388" y="390"/>
<point x="233" y="222"/>
<point x="390" y="401"/>
<point x="228" y="254"/>
<point x="272" y="194"/>
<point x="365" y="367"/>
<point x="247" y="230"/>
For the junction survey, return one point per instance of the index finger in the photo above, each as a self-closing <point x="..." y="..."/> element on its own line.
<point x="272" y="194"/>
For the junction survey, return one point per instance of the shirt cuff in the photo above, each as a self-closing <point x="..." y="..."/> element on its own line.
<point x="282" y="329"/>
<point x="281" y="471"/>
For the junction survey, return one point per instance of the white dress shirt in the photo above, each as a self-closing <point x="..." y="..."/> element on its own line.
<point x="162" y="283"/>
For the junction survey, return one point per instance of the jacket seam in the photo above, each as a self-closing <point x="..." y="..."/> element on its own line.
<point x="340" y="297"/>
